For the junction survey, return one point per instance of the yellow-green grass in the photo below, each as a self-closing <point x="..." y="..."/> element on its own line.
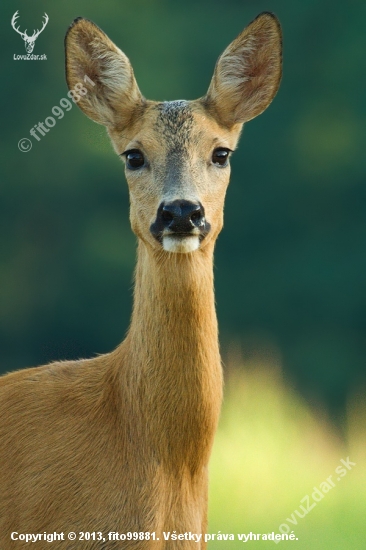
<point x="271" y="450"/>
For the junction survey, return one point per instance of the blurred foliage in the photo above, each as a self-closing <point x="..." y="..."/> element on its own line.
<point x="271" y="452"/>
<point x="290" y="263"/>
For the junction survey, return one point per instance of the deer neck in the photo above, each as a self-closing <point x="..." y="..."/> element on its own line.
<point x="172" y="352"/>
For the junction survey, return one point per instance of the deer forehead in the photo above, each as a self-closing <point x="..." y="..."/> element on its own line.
<point x="178" y="129"/>
<point x="175" y="125"/>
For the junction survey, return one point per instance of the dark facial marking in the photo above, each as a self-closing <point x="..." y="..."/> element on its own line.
<point x="174" y="124"/>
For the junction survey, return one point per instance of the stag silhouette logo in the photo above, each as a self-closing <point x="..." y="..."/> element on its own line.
<point x="29" y="41"/>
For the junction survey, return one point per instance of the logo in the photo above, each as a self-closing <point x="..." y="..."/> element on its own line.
<point x="29" y="41"/>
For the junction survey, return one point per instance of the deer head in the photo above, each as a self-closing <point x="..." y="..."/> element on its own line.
<point x="176" y="153"/>
<point x="28" y="40"/>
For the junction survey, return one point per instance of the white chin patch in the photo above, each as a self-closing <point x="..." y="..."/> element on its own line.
<point x="181" y="245"/>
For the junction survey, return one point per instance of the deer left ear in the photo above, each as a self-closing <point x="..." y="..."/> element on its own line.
<point x="94" y="63"/>
<point x="247" y="75"/>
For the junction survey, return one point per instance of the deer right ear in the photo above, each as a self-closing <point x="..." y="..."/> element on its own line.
<point x="95" y="63"/>
<point x="247" y="75"/>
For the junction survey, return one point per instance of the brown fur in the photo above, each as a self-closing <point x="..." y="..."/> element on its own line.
<point x="122" y="442"/>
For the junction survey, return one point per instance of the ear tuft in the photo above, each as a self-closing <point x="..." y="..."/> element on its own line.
<point x="248" y="73"/>
<point x="104" y="71"/>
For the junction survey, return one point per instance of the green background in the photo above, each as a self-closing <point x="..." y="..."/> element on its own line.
<point x="290" y="263"/>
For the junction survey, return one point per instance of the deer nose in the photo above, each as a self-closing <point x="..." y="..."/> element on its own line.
<point x="180" y="217"/>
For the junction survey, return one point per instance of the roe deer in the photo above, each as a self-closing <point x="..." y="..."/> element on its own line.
<point x="120" y="443"/>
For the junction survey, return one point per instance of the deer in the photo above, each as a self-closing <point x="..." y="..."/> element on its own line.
<point x="118" y="445"/>
<point x="29" y="41"/>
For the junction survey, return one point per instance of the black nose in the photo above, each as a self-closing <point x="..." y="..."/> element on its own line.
<point x="180" y="217"/>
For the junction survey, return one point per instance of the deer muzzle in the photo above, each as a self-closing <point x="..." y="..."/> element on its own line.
<point x="180" y="225"/>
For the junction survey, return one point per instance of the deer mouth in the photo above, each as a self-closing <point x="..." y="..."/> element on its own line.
<point x="180" y="243"/>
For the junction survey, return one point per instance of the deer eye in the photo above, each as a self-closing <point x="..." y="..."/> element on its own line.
<point x="134" y="159"/>
<point x="220" y="156"/>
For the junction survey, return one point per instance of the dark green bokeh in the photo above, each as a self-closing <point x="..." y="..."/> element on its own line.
<point x="290" y="263"/>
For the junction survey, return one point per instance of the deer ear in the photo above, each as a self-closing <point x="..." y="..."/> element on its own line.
<point x="104" y="71"/>
<point x="247" y="75"/>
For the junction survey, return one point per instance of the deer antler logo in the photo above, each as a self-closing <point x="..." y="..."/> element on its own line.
<point x="29" y="40"/>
